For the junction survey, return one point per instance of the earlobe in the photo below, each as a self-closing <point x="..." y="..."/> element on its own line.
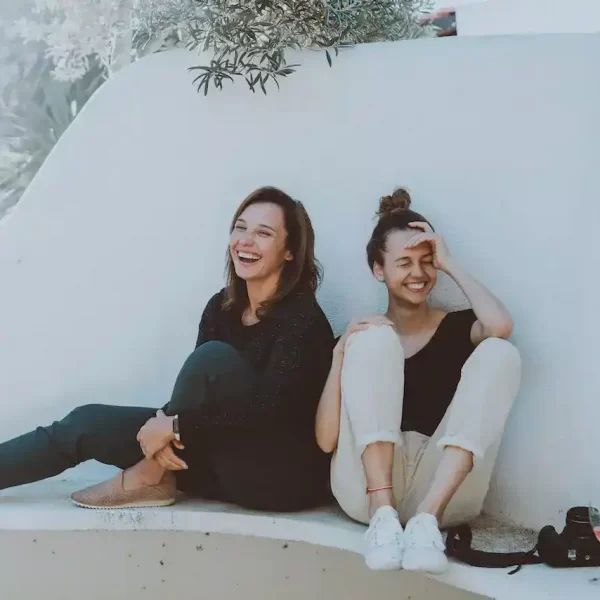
<point x="377" y="272"/>
<point x="289" y="257"/>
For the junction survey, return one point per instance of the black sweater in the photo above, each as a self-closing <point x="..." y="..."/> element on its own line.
<point x="290" y="350"/>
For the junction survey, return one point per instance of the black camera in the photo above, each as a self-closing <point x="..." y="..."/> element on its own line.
<point x="576" y="546"/>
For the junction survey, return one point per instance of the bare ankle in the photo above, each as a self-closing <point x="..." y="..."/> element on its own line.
<point x="146" y="473"/>
<point x="436" y="511"/>
<point x="380" y="499"/>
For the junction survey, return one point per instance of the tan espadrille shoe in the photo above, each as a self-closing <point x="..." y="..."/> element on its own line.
<point x="111" y="494"/>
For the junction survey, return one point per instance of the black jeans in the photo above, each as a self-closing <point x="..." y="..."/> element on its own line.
<point x="252" y="470"/>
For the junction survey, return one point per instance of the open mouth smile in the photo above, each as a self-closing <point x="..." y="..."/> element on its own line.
<point x="247" y="258"/>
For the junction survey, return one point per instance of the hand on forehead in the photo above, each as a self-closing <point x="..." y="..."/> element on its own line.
<point x="405" y="242"/>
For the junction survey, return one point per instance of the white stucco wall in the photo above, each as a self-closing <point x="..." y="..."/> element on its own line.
<point x="107" y="262"/>
<point x="501" y="17"/>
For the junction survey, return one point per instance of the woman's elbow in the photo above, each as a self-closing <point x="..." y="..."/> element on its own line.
<point x="327" y="447"/>
<point x="503" y="329"/>
<point x="326" y="441"/>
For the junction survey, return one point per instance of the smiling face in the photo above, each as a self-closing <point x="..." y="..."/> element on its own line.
<point x="408" y="273"/>
<point x="258" y="243"/>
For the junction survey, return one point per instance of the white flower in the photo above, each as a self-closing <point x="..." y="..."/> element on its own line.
<point x="11" y="160"/>
<point x="77" y="31"/>
<point x="28" y="31"/>
<point x="69" y="71"/>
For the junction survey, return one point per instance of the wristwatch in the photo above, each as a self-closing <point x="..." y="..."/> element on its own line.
<point x="176" y="428"/>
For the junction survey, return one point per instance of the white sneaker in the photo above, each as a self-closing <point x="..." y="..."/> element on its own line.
<point x="383" y="540"/>
<point x="424" y="545"/>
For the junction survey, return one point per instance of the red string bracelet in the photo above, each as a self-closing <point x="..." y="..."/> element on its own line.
<point x="379" y="489"/>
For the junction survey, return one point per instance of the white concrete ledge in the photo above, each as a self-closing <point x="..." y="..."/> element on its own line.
<point x="46" y="507"/>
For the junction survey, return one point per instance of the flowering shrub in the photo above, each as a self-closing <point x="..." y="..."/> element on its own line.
<point x="249" y="37"/>
<point x="69" y="47"/>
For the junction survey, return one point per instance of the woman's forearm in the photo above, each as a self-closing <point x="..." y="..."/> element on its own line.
<point x="327" y="425"/>
<point x="493" y="316"/>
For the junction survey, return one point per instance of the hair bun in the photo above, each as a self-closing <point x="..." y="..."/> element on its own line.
<point x="398" y="202"/>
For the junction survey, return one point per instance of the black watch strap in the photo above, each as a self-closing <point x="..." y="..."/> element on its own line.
<point x="176" y="428"/>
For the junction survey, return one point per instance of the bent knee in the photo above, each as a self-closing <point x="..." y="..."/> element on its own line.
<point x="217" y="349"/>
<point x="500" y="353"/>
<point x="375" y="341"/>
<point x="85" y="415"/>
<point x="500" y="348"/>
<point x="214" y="356"/>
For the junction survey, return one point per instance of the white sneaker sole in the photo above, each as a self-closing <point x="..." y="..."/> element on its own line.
<point x="156" y="504"/>
<point x="384" y="560"/>
<point x="425" y="561"/>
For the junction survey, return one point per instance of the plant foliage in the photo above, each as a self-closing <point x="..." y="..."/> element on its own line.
<point x="249" y="38"/>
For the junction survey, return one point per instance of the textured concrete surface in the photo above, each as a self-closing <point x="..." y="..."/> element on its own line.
<point x="156" y="565"/>
<point x="83" y="538"/>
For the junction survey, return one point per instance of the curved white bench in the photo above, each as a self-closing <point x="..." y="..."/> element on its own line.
<point x="38" y="509"/>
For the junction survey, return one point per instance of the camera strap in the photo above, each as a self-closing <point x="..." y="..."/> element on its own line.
<point x="458" y="546"/>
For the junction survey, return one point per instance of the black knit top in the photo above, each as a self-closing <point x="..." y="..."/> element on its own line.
<point x="290" y="350"/>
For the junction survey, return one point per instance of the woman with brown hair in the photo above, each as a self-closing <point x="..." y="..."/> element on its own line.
<point x="417" y="399"/>
<point x="239" y="426"/>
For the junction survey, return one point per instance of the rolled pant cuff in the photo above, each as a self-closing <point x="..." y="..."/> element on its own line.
<point x="392" y="437"/>
<point x="462" y="443"/>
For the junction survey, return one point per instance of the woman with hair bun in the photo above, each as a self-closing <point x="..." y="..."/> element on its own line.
<point x="417" y="399"/>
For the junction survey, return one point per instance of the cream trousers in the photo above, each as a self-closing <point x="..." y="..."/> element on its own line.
<point x="371" y="411"/>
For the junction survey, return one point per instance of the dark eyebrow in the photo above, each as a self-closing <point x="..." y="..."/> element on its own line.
<point x="240" y="220"/>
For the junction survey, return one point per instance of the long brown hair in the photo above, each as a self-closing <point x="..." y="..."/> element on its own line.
<point x="301" y="274"/>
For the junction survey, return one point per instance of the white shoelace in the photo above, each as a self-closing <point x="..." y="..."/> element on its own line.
<point x="385" y="529"/>
<point x="422" y="532"/>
